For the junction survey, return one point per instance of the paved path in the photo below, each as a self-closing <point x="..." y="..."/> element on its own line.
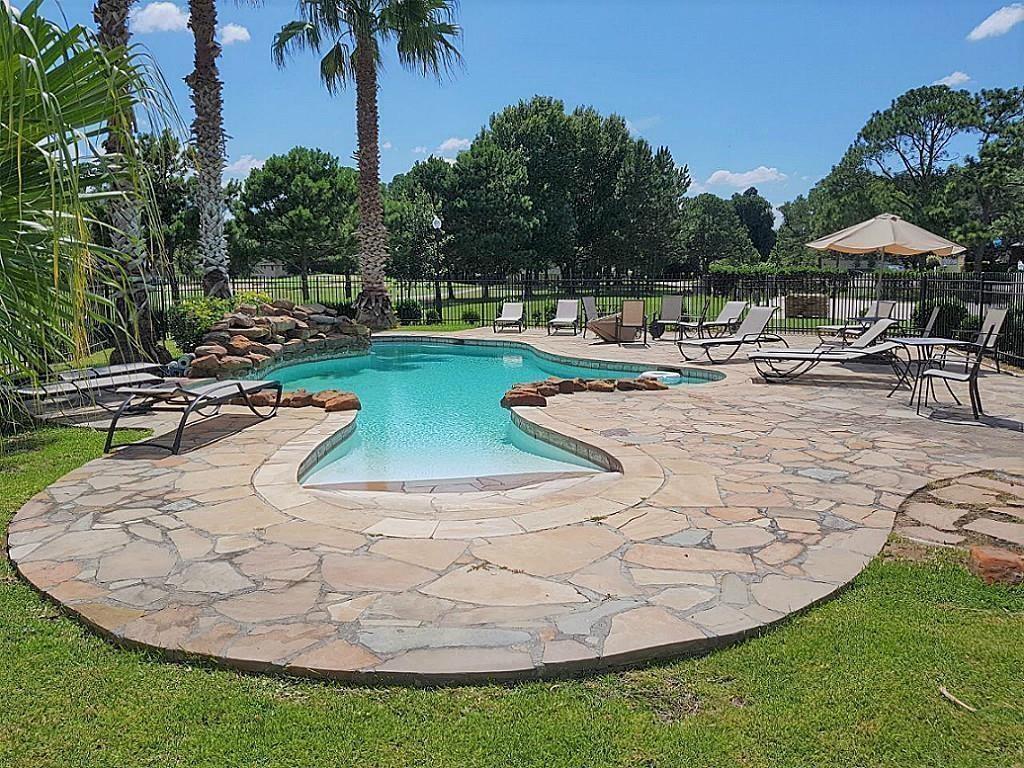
<point x="738" y="504"/>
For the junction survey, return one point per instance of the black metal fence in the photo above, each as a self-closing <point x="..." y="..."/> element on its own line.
<point x="804" y="302"/>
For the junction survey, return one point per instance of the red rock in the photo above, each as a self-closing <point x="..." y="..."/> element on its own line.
<point x="346" y="401"/>
<point x="240" y="345"/>
<point x="320" y="399"/>
<point x="259" y="399"/>
<point x="246" y="309"/>
<point x="240" y="320"/>
<point x="257" y="359"/>
<point x="651" y="384"/>
<point x="284" y="304"/>
<point x="565" y="386"/>
<point x="300" y="398"/>
<point x="547" y="390"/>
<point x="626" y="385"/>
<point x="994" y="565"/>
<point x="517" y="397"/>
<point x="600" y="385"/>
<point x="210" y="349"/>
<point x="580" y="385"/>
<point x="202" y="367"/>
<point x="233" y="364"/>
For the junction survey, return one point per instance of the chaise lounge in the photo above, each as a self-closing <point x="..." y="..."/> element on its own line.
<point x="511" y="317"/>
<point x="751" y="331"/>
<point x="192" y="399"/>
<point x="567" y="315"/>
<point x="726" y="321"/>
<point x="788" y="364"/>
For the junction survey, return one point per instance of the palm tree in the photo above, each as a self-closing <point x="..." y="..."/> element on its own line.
<point x="352" y="33"/>
<point x="63" y="97"/>
<point x="138" y="340"/>
<point x="208" y="130"/>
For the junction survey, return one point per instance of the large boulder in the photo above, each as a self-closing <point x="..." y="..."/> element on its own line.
<point x="601" y="385"/>
<point x="320" y="399"/>
<point x="523" y="397"/>
<point x="651" y="384"/>
<point x="627" y="385"/>
<point x="300" y="398"/>
<point x="204" y="366"/>
<point x="240" y="320"/>
<point x="247" y="309"/>
<point x="312" y="308"/>
<point x="231" y="364"/>
<point x="210" y="349"/>
<point x="284" y="304"/>
<point x="217" y="337"/>
<point x="255" y="333"/>
<point x="345" y="401"/>
<point x="242" y="346"/>
<point x="321" y="319"/>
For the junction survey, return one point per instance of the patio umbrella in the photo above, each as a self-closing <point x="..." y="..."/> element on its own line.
<point x="887" y="233"/>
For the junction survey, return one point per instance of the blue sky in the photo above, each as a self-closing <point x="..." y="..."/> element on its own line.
<point x="769" y="93"/>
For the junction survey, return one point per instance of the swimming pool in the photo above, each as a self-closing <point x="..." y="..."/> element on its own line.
<point x="432" y="410"/>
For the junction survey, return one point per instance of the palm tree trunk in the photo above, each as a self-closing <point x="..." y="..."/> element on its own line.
<point x="208" y="129"/>
<point x="373" y="305"/>
<point x="135" y="336"/>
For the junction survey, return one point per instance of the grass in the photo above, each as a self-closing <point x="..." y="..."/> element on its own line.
<point x="853" y="683"/>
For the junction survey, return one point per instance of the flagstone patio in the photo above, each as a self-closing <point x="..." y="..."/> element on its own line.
<point x="738" y="504"/>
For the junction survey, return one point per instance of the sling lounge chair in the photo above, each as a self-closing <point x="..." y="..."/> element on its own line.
<point x="204" y="399"/>
<point x="589" y="312"/>
<point x="567" y="315"/>
<point x="671" y="313"/>
<point x="631" y="316"/>
<point x="118" y="369"/>
<point x="511" y="316"/>
<point x="751" y="331"/>
<point x="855" y="326"/>
<point x="726" y="321"/>
<point x="87" y="388"/>
<point x="788" y="364"/>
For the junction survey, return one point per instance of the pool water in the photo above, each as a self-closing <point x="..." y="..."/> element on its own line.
<point x="432" y="411"/>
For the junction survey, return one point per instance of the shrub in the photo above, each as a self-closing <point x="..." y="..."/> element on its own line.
<point x="409" y="310"/>
<point x="952" y="316"/>
<point x="432" y="317"/>
<point x="541" y="316"/>
<point x="191" y="319"/>
<point x="470" y="316"/>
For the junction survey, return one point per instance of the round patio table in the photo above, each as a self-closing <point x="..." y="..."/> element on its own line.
<point x="920" y="351"/>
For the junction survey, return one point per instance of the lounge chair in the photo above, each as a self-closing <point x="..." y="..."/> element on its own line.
<point x="843" y="332"/>
<point x="788" y="364"/>
<point x="969" y="376"/>
<point x="632" y="315"/>
<point x="751" y="331"/>
<point x="567" y="315"/>
<point x="726" y="322"/>
<point x="191" y="399"/>
<point x="87" y="388"/>
<point x="589" y="312"/>
<point x="511" y="316"/>
<point x="988" y="336"/>
<point x="118" y="369"/>
<point x="670" y="315"/>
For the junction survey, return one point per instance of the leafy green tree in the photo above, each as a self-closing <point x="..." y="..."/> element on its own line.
<point x="491" y="215"/>
<point x="756" y="214"/>
<point x="300" y="209"/>
<point x="909" y="145"/>
<point x="710" y="231"/>
<point x="540" y="131"/>
<point x="353" y="33"/>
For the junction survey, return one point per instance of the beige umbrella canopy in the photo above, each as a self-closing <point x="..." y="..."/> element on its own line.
<point x="887" y="233"/>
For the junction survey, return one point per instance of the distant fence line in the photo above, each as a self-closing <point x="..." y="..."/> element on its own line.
<point x="804" y="302"/>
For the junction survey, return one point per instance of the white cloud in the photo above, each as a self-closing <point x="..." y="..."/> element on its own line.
<point x="453" y="145"/>
<point x="954" y="79"/>
<point x="159" y="17"/>
<point x="234" y="33"/>
<point x="420" y="150"/>
<point x="386" y="145"/>
<point x="778" y="217"/>
<point x="243" y="165"/>
<point x="637" y="126"/>
<point x="999" y="23"/>
<point x="760" y="175"/>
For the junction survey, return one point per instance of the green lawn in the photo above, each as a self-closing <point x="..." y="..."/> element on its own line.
<point x="852" y="683"/>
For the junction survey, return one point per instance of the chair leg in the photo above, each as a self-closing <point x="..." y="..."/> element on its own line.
<point x="951" y="392"/>
<point x="113" y="422"/>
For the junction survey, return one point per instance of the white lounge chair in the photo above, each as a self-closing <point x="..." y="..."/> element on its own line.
<point x="726" y="321"/>
<point x="788" y="364"/>
<point x="511" y="316"/>
<point x="191" y="399"/>
<point x="567" y="315"/>
<point x="842" y="332"/>
<point x="752" y="330"/>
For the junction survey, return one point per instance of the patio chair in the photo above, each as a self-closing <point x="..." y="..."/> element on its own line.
<point x="788" y="364"/>
<point x="929" y="326"/>
<point x="987" y="338"/>
<point x="669" y="316"/>
<point x="842" y="332"/>
<point x="86" y="388"/>
<point x="511" y="316"/>
<point x="118" y="369"/>
<point x="567" y="315"/>
<point x="751" y="331"/>
<point x="725" y="323"/>
<point x="969" y="376"/>
<point x="191" y="399"/>
<point x="589" y="312"/>
<point x="632" y="315"/>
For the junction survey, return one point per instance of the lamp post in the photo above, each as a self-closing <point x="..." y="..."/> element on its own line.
<point x="435" y="225"/>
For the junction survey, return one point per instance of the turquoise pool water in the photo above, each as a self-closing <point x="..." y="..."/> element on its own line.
<point x="431" y="411"/>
